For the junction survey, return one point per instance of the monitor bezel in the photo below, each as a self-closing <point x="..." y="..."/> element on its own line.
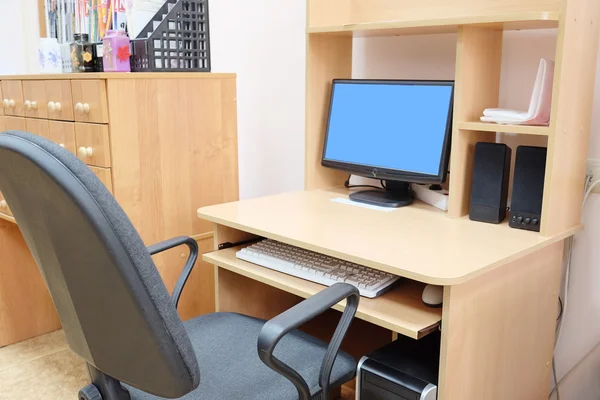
<point x="392" y="174"/>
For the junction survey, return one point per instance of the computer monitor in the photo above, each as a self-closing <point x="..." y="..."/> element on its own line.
<point x="394" y="130"/>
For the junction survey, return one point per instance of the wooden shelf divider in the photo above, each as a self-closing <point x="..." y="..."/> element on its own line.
<point x="490" y="127"/>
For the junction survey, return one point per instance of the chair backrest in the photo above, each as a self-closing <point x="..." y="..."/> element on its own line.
<point x="114" y="308"/>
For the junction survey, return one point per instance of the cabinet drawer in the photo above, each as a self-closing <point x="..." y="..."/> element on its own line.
<point x="105" y="177"/>
<point x="4" y="209"/>
<point x="2" y="124"/>
<point x="93" y="146"/>
<point x="60" y="100"/>
<point x="89" y="101"/>
<point x="37" y="127"/>
<point x="34" y="93"/>
<point x="15" y="124"/>
<point x="63" y="134"/>
<point x="13" y="98"/>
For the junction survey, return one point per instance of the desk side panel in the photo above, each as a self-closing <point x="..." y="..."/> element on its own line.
<point x="26" y="308"/>
<point x="498" y="331"/>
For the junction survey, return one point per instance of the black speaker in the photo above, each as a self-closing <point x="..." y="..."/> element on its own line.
<point x="528" y="188"/>
<point x="489" y="191"/>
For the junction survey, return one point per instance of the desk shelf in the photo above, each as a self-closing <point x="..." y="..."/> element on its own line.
<point x="490" y="127"/>
<point x="400" y="310"/>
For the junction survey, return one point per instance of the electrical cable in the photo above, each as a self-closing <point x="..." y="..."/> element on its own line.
<point x="589" y="187"/>
<point x="347" y="185"/>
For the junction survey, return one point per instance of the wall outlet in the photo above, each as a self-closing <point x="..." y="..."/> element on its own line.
<point x="593" y="169"/>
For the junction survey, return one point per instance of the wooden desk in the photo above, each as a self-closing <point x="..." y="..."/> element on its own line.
<point x="500" y="296"/>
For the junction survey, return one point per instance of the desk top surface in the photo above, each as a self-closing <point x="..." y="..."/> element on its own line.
<point x="417" y="242"/>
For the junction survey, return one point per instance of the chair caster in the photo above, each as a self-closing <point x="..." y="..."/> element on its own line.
<point x="90" y="392"/>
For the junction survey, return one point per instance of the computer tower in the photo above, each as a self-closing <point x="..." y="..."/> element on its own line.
<point x="405" y="369"/>
<point x="528" y="188"/>
<point x="489" y="190"/>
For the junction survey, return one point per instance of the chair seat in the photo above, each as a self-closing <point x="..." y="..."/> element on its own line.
<point x="226" y="348"/>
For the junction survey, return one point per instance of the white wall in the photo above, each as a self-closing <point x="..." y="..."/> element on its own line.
<point x="18" y="46"/>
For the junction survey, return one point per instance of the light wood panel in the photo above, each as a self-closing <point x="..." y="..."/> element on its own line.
<point x="104" y="174"/>
<point x="123" y="75"/>
<point x="90" y="93"/>
<point x="12" y="90"/>
<point x="170" y="155"/>
<point x="94" y="137"/>
<point x="418" y="242"/>
<point x="328" y="57"/>
<point x="478" y="62"/>
<point x="34" y="94"/>
<point x="347" y="12"/>
<point x="519" y="129"/>
<point x="498" y="331"/>
<point x="267" y="302"/>
<point x="1" y="100"/>
<point x="2" y="124"/>
<point x="535" y="20"/>
<point x="4" y="208"/>
<point x="63" y="134"/>
<point x="15" y="124"/>
<point x="59" y="91"/>
<point x="573" y="93"/>
<point x="26" y="309"/>
<point x="37" y="127"/>
<point x="42" y="17"/>
<point x="400" y="309"/>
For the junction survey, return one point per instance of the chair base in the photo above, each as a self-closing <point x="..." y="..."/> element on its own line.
<point x="109" y="388"/>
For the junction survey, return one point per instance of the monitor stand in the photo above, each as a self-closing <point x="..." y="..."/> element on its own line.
<point x="397" y="194"/>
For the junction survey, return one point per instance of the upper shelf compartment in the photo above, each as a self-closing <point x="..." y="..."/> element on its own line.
<point x="396" y="17"/>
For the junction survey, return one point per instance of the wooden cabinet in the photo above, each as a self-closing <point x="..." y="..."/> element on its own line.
<point x="37" y="127"/>
<point x="4" y="209"/>
<point x="63" y="134"/>
<point x="1" y="104"/>
<point x="89" y="99"/>
<point x="34" y="94"/>
<point x="60" y="100"/>
<point x="93" y="147"/>
<point x="13" y="98"/>
<point x="161" y="161"/>
<point x="15" y="124"/>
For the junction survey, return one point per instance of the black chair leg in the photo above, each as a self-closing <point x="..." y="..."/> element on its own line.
<point x="103" y="387"/>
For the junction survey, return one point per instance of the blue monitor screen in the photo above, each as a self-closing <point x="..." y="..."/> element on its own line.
<point x="394" y="126"/>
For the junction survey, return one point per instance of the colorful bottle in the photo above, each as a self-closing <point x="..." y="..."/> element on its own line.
<point x="116" y="51"/>
<point x="88" y="55"/>
<point x="76" y="48"/>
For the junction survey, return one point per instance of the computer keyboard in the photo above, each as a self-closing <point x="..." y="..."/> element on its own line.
<point x="316" y="267"/>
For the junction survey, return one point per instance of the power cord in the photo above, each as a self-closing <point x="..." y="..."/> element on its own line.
<point x="563" y="303"/>
<point x="347" y="184"/>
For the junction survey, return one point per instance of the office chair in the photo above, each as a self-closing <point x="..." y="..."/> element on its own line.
<point x="118" y="316"/>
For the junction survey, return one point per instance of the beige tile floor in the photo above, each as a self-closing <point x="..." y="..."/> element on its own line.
<point x="41" y="368"/>
<point x="44" y="368"/>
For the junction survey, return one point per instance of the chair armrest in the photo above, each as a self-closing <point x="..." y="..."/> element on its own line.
<point x="275" y="329"/>
<point x="189" y="264"/>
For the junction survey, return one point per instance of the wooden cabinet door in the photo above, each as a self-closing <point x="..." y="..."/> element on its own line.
<point x="105" y="177"/>
<point x="60" y="100"/>
<point x="2" y="124"/>
<point x="34" y="93"/>
<point x="37" y="127"/>
<point x="13" y="98"/>
<point x="89" y="98"/>
<point x="15" y="124"/>
<point x="63" y="134"/>
<point x="93" y="147"/>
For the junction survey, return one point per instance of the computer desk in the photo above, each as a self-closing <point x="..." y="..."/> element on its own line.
<point x="501" y="285"/>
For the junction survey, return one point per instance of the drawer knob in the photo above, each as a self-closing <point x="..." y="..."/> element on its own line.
<point x="34" y="105"/>
<point x="51" y="106"/>
<point x="6" y="103"/>
<point x="27" y="105"/>
<point x="3" y="204"/>
<point x="82" y="108"/>
<point x="12" y="103"/>
<point x="58" y="106"/>
<point x="62" y="145"/>
<point x="85" y="152"/>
